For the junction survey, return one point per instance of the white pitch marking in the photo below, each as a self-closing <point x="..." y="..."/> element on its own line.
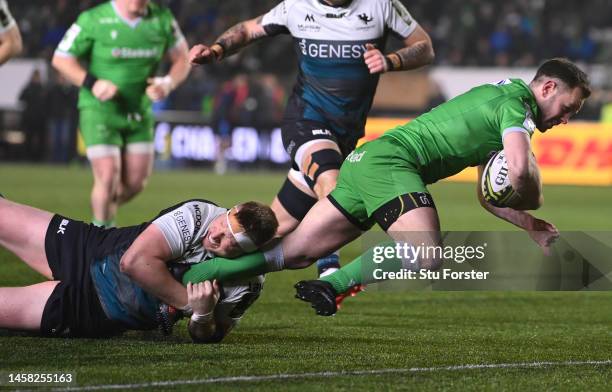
<point x="334" y="374"/>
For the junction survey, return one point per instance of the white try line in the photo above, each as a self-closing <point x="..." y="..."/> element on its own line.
<point x="375" y="372"/>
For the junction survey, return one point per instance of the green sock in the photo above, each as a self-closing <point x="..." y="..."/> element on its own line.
<point x="361" y="271"/>
<point x="227" y="269"/>
<point x="103" y="223"/>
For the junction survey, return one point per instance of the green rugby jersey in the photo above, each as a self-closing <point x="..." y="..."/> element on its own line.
<point x="465" y="130"/>
<point x="124" y="52"/>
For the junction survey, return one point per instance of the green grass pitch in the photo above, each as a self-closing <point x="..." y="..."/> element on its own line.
<point x="373" y="341"/>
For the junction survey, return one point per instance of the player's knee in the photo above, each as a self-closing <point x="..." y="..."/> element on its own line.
<point x="319" y="163"/>
<point x="106" y="183"/>
<point x="130" y="189"/>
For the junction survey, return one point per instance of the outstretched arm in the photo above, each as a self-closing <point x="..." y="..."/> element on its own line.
<point x="224" y="269"/>
<point x="542" y="232"/>
<point x="417" y="52"/>
<point x="228" y="43"/>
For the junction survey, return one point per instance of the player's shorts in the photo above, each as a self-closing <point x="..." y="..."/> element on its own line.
<point x="297" y="133"/>
<point x="73" y="309"/>
<point x="372" y="175"/>
<point x="115" y="128"/>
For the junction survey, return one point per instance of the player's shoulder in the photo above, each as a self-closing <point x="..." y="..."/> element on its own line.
<point x="198" y="208"/>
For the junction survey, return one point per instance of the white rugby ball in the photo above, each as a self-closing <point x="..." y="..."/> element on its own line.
<point x="495" y="183"/>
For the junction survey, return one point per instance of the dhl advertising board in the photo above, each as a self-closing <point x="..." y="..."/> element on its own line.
<point x="578" y="153"/>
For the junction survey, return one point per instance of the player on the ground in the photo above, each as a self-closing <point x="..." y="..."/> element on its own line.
<point x="123" y="42"/>
<point x="339" y="44"/>
<point x="384" y="181"/>
<point x="10" y="37"/>
<point x="103" y="281"/>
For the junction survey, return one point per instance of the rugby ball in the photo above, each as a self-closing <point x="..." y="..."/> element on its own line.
<point x="495" y="182"/>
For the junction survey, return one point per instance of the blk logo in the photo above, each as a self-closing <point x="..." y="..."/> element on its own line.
<point x="62" y="227"/>
<point x="365" y="18"/>
<point x="309" y="18"/>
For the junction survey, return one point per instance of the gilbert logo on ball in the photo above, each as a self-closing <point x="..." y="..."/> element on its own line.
<point x="495" y="183"/>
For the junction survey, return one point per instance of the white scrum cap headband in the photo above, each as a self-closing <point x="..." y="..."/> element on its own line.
<point x="244" y="241"/>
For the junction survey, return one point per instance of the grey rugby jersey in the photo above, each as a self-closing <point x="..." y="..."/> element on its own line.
<point x="334" y="84"/>
<point x="184" y="226"/>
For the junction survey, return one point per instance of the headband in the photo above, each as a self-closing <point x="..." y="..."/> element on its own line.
<point x="244" y="241"/>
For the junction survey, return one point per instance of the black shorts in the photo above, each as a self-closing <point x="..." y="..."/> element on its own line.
<point x="298" y="133"/>
<point x="73" y="309"/>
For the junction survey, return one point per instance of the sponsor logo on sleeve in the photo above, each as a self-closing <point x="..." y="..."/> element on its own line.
<point x="183" y="226"/>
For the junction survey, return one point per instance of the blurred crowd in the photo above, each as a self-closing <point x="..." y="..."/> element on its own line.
<point x="464" y="33"/>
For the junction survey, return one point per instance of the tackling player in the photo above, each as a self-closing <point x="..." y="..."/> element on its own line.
<point x="384" y="181"/>
<point x="104" y="281"/>
<point x="10" y="37"/>
<point x="123" y="42"/>
<point x="339" y="44"/>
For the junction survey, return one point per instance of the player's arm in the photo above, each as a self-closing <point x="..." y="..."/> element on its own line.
<point x="161" y="87"/>
<point x="417" y="52"/>
<point x="523" y="171"/>
<point x="10" y="44"/>
<point x="10" y="37"/>
<point x="542" y="232"/>
<point x="72" y="70"/>
<point x="230" y="42"/>
<point x="145" y="263"/>
<point x="418" y="48"/>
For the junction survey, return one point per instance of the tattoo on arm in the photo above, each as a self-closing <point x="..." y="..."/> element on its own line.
<point x="416" y="55"/>
<point x="241" y="35"/>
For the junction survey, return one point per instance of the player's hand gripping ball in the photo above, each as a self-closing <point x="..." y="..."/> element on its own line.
<point x="495" y="182"/>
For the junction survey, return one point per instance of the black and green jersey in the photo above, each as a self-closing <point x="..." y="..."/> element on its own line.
<point x="122" y="51"/>
<point x="465" y="130"/>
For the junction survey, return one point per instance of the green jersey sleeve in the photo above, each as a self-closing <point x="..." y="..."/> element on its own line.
<point x="78" y="40"/>
<point x="515" y="116"/>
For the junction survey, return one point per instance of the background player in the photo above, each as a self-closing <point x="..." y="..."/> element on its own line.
<point x="339" y="44"/>
<point x="123" y="41"/>
<point x="10" y="37"/>
<point x="384" y="181"/>
<point x="93" y="273"/>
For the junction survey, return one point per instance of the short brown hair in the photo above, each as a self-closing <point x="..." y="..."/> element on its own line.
<point x="566" y="71"/>
<point x="258" y="221"/>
